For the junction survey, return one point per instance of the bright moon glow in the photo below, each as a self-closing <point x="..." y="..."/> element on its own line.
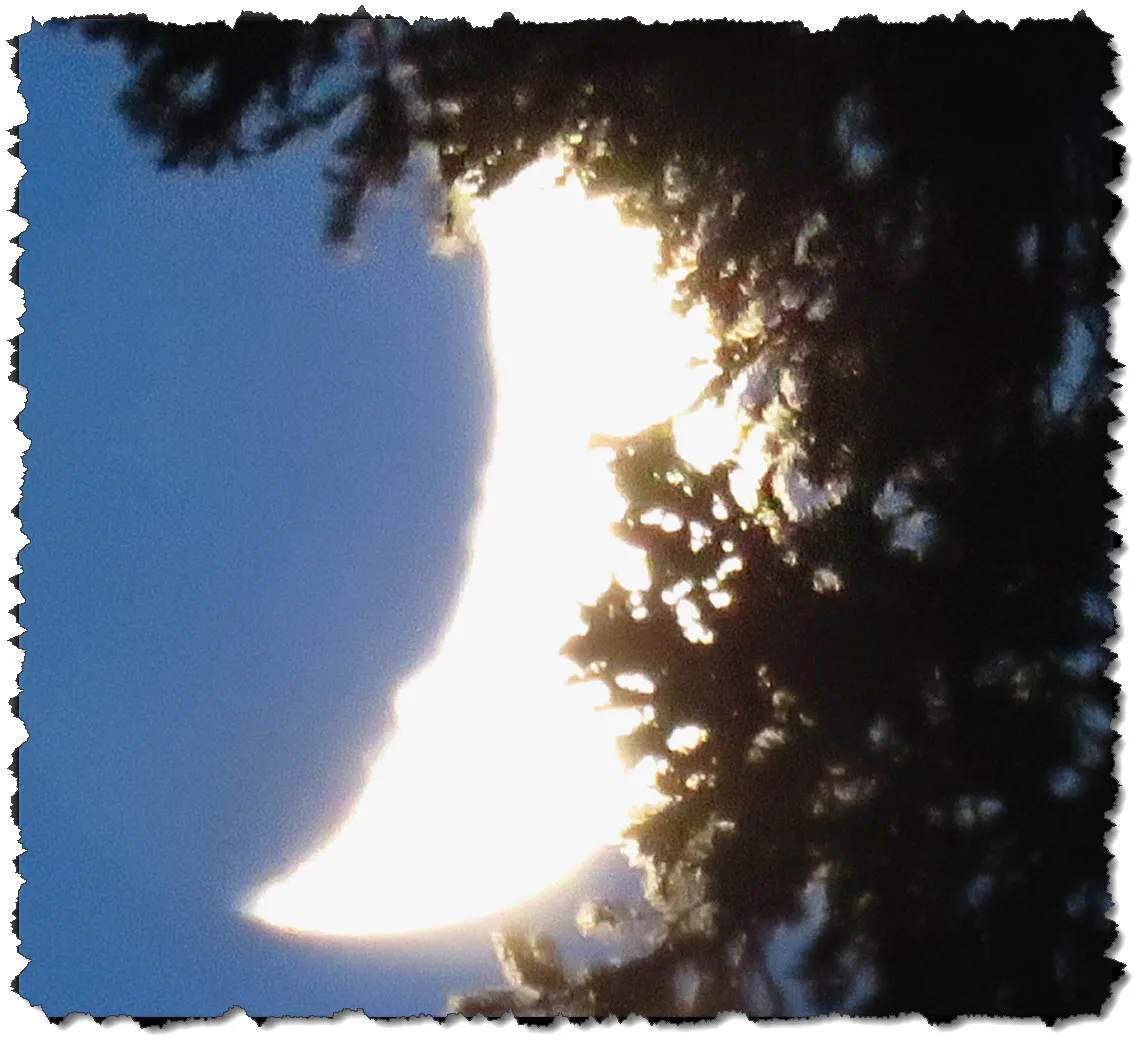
<point x="500" y="777"/>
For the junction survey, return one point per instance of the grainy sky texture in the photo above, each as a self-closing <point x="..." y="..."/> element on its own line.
<point x="252" y="468"/>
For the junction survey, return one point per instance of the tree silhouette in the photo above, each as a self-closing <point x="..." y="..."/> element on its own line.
<point x="903" y="710"/>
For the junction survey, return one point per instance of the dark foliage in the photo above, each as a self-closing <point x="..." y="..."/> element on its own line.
<point x="900" y="232"/>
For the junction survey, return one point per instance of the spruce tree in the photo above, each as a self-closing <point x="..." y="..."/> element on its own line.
<point x="899" y="233"/>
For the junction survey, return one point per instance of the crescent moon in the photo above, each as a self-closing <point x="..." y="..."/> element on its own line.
<point x="500" y="777"/>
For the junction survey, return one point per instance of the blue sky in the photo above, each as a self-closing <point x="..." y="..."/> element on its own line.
<point x="251" y="473"/>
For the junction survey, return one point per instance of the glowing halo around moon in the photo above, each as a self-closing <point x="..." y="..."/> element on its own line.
<point x="500" y="777"/>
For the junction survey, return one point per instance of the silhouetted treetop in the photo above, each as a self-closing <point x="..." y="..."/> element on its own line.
<point x="877" y="690"/>
<point x="810" y="183"/>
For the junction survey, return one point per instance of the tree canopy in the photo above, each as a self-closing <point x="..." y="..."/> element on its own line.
<point x="903" y="709"/>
